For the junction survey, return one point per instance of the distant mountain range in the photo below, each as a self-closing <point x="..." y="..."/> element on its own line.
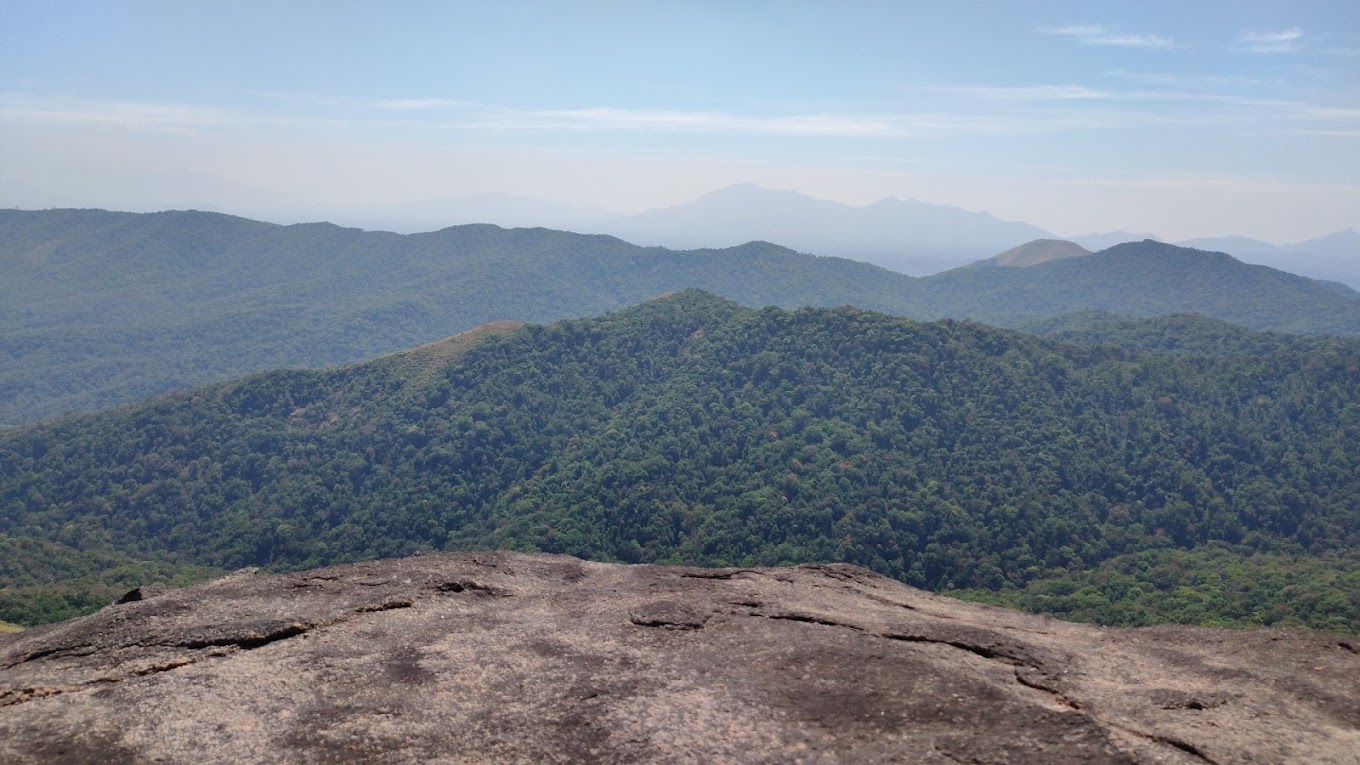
<point x="498" y="209"/>
<point x="103" y="308"/>
<point x="1335" y="257"/>
<point x="909" y="236"/>
<point x="1097" y="242"/>
<point x="904" y="235"/>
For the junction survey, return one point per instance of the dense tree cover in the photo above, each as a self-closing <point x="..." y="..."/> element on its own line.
<point x="100" y="308"/>
<point x="1216" y="584"/>
<point x="949" y="455"/>
<point x="45" y="580"/>
<point x="1188" y="334"/>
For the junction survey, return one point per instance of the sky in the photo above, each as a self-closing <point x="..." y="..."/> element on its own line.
<point x="1178" y="119"/>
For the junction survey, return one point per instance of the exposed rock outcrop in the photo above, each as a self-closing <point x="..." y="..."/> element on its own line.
<point x="502" y="658"/>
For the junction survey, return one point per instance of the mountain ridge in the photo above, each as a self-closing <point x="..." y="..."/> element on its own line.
<point x="905" y="235"/>
<point x="1331" y="257"/>
<point x="102" y="308"/>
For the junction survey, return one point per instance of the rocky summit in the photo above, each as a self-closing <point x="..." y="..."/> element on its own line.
<point x="505" y="658"/>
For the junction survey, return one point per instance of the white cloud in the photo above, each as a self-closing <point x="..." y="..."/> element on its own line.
<point x="1095" y="34"/>
<point x="1283" y="41"/>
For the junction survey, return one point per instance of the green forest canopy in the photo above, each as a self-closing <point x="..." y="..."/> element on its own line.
<point x="1095" y="482"/>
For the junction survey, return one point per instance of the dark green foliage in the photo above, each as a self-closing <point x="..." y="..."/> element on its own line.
<point x="100" y="308"/>
<point x="1217" y="585"/>
<point x="44" y="581"/>
<point x="1186" y="334"/>
<point x="949" y="455"/>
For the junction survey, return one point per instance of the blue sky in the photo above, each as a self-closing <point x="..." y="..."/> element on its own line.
<point x="1179" y="119"/>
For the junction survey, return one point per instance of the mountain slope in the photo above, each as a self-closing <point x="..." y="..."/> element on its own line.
<point x="1143" y="279"/>
<point x="103" y="308"/>
<point x="948" y="455"/>
<point x="1335" y="257"/>
<point x="1177" y="334"/>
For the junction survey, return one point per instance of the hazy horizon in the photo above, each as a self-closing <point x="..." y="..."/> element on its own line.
<point x="1218" y="119"/>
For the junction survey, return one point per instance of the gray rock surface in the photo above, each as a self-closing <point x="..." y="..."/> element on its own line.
<point x="506" y="658"/>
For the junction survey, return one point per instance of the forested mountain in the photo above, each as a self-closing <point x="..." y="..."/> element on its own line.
<point x="1145" y="278"/>
<point x="100" y="308"/>
<point x="103" y="308"/>
<point x="1096" y="482"/>
<point x="1335" y="256"/>
<point x="1178" y="333"/>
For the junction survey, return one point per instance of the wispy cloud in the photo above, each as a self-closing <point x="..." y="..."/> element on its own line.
<point x="977" y="110"/>
<point x="419" y="104"/>
<point x="134" y="116"/>
<point x="1080" y="93"/>
<point x="1332" y="133"/>
<point x="1334" y="113"/>
<point x="1283" y="41"/>
<point x="604" y="118"/>
<point x="1022" y="92"/>
<point x="444" y="114"/>
<point x="896" y="125"/>
<point x="1183" y="80"/>
<point x="1096" y="34"/>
